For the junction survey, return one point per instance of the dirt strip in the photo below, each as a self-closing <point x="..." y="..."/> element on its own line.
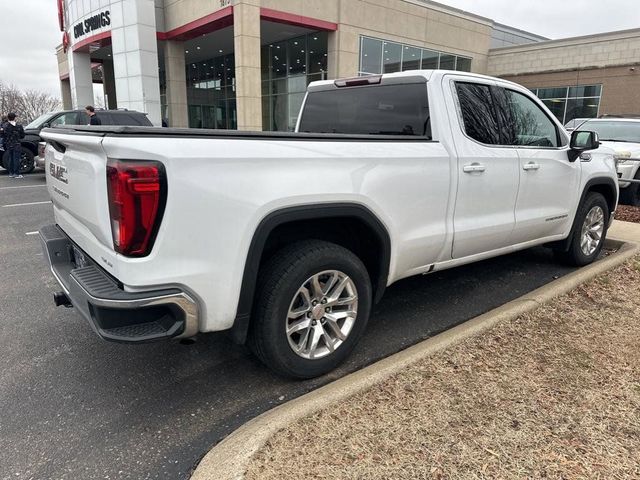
<point x="552" y="394"/>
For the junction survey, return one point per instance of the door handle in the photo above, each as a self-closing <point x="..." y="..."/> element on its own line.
<point x="474" y="167"/>
<point x="531" y="166"/>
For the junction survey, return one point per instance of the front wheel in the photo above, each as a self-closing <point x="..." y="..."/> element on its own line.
<point x="312" y="307"/>
<point x="589" y="231"/>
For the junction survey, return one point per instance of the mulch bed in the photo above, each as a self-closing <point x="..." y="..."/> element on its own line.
<point x="626" y="213"/>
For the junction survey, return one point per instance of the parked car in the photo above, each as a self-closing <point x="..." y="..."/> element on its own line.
<point x="571" y="125"/>
<point x="286" y="240"/>
<point x="33" y="146"/>
<point x="623" y="136"/>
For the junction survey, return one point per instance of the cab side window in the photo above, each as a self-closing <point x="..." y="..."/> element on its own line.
<point x="525" y="123"/>
<point x="478" y="111"/>
<point x="70" y="118"/>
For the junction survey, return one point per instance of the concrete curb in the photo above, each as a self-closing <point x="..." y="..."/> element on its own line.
<point x="230" y="458"/>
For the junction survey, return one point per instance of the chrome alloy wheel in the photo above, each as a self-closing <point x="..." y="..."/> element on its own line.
<point x="321" y="315"/>
<point x="592" y="231"/>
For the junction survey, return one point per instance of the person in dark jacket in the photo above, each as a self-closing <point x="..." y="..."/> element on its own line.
<point x="2" y="122"/>
<point x="93" y="116"/>
<point x="12" y="133"/>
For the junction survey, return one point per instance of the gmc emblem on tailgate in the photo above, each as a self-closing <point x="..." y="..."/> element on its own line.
<point x="59" y="172"/>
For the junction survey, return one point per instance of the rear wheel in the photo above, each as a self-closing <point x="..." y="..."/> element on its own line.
<point x="312" y="306"/>
<point x="589" y="231"/>
<point x="631" y="194"/>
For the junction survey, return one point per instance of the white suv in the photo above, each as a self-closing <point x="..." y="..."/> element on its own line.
<point x="623" y="136"/>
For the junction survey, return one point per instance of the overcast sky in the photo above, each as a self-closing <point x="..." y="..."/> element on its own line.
<point x="30" y="29"/>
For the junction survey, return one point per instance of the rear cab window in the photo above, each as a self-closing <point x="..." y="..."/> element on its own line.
<point x="398" y="109"/>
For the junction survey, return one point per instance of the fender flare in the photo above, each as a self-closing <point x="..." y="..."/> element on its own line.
<point x="594" y="182"/>
<point x="299" y="213"/>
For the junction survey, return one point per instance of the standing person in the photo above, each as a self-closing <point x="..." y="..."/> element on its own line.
<point x="2" y="122"/>
<point x="93" y="117"/>
<point x="12" y="133"/>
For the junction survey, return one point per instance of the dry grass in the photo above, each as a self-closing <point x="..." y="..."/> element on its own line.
<point x="553" y="394"/>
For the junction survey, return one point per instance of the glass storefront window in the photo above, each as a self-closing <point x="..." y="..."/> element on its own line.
<point x="279" y="60"/>
<point x="581" y="108"/>
<point x="290" y="65"/>
<point x="317" y="45"/>
<point x="463" y="64"/>
<point x="447" y="62"/>
<point x="568" y="103"/>
<point x="552" y="92"/>
<point x="411" y="58"/>
<point x="211" y="93"/>
<point x="371" y="56"/>
<point x="297" y="84"/>
<point x="585" y="91"/>
<point x="430" y="60"/>
<point x="380" y="56"/>
<point x="391" y="57"/>
<point x="297" y="57"/>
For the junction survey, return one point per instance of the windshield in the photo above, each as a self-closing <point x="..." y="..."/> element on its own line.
<point x="614" y="131"/>
<point x="37" y="123"/>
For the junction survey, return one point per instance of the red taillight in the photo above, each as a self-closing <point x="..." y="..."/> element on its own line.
<point x="137" y="192"/>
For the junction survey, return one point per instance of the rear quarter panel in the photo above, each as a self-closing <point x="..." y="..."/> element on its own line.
<point x="220" y="189"/>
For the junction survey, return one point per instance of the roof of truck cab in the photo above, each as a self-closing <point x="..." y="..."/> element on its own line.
<point x="412" y="76"/>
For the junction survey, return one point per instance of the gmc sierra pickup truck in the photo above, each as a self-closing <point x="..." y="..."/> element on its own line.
<point x="287" y="239"/>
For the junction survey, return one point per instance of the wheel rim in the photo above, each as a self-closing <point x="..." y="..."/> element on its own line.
<point x="25" y="164"/>
<point x="592" y="231"/>
<point x="322" y="314"/>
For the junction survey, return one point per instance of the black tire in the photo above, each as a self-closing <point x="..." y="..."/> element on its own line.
<point x="279" y="281"/>
<point x="27" y="164"/>
<point x="631" y="194"/>
<point x="575" y="255"/>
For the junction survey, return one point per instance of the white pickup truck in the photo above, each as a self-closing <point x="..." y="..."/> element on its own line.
<point x="287" y="239"/>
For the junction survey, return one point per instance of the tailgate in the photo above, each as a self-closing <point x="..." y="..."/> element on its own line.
<point x="76" y="181"/>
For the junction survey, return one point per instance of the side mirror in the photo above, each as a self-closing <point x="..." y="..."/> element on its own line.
<point x="46" y="125"/>
<point x="581" y="141"/>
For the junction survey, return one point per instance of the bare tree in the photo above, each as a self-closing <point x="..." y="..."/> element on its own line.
<point x="9" y="98"/>
<point x="28" y="104"/>
<point x="33" y="104"/>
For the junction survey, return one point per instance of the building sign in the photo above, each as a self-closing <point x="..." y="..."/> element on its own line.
<point x="61" y="14"/>
<point x="95" y="22"/>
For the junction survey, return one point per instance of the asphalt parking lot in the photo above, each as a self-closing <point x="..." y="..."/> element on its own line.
<point x="75" y="407"/>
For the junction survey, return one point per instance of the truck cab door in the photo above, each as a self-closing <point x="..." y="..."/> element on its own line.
<point x="549" y="182"/>
<point x="488" y="173"/>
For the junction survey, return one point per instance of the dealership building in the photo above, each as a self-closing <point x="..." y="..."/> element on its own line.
<point x="245" y="64"/>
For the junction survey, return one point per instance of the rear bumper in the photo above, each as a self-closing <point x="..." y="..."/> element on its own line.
<point x="113" y="313"/>
<point x="40" y="160"/>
